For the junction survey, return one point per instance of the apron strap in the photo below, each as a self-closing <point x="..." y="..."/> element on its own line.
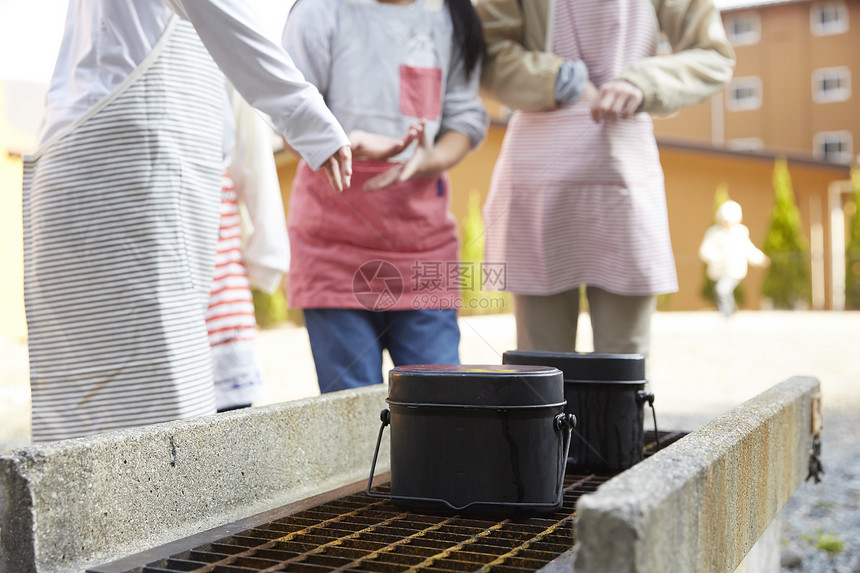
<point x="151" y="58"/>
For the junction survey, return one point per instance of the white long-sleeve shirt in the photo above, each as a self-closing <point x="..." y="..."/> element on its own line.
<point x="266" y="248"/>
<point x="105" y="40"/>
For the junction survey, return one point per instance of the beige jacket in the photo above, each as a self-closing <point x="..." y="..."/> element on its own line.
<point x="520" y="70"/>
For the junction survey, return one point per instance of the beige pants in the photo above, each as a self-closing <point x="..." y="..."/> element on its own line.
<point x="621" y="324"/>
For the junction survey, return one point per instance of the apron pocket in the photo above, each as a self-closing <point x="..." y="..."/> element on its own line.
<point x="420" y="92"/>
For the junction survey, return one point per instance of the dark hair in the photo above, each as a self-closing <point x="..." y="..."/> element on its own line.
<point x="468" y="32"/>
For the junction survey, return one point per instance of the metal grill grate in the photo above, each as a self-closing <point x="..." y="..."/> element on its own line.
<point x="357" y="533"/>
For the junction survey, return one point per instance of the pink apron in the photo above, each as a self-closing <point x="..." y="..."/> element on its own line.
<point x="399" y="243"/>
<point x="573" y="202"/>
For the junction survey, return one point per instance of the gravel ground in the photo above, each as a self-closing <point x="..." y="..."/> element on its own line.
<point x="826" y="516"/>
<point x="699" y="367"/>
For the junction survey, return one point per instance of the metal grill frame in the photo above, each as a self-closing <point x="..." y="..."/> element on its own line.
<point x="340" y="526"/>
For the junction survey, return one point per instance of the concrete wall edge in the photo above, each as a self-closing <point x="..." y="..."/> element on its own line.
<point x="661" y="515"/>
<point x="97" y="499"/>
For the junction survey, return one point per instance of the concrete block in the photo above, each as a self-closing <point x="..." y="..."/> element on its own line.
<point x="701" y="504"/>
<point x="73" y="504"/>
<point x="764" y="555"/>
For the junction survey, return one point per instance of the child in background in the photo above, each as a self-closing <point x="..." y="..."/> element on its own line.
<point x="251" y="182"/>
<point x="727" y="249"/>
<point x="369" y="266"/>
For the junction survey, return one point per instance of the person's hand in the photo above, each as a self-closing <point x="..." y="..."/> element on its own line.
<point x="380" y="147"/>
<point x="589" y="94"/>
<point x="421" y="164"/>
<point x="616" y="99"/>
<point x="338" y="169"/>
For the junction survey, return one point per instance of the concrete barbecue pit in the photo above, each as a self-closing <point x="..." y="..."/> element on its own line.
<point x="698" y="505"/>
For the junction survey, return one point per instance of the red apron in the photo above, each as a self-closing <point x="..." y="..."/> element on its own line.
<point x="391" y="249"/>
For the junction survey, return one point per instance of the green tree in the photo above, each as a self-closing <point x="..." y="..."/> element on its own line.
<point x="269" y="309"/>
<point x="852" y="250"/>
<point x="787" y="280"/>
<point x="721" y="195"/>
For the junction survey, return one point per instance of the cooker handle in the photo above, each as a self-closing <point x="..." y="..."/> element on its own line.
<point x="564" y="422"/>
<point x="385" y="418"/>
<point x="642" y="396"/>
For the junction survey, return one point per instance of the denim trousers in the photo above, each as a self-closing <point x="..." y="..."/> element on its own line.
<point x="347" y="344"/>
<point x="724" y="290"/>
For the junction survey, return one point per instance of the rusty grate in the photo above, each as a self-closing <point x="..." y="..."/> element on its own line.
<point x="355" y="533"/>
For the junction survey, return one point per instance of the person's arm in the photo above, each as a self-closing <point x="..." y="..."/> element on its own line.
<point x="307" y="39"/>
<point x="754" y="255"/>
<point x="701" y="64"/>
<point x="265" y="76"/>
<point x="520" y="78"/>
<point x="462" y="111"/>
<point x="252" y="168"/>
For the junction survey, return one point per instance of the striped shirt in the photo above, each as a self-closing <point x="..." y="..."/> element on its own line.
<point x="230" y="319"/>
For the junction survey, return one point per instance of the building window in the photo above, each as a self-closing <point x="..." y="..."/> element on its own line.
<point x="744" y="94"/>
<point x="831" y="84"/>
<point x="743" y="29"/>
<point x="828" y="18"/>
<point x="745" y="144"/>
<point x="836" y="146"/>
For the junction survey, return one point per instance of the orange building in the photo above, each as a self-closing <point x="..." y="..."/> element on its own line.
<point x="791" y="95"/>
<point x="792" y="87"/>
<point x="822" y="193"/>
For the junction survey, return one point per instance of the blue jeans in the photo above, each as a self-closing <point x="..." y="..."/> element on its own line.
<point x="347" y="343"/>
<point x="724" y="289"/>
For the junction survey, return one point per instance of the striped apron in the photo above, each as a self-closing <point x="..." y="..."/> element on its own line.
<point x="573" y="202"/>
<point x="230" y="318"/>
<point x="120" y="226"/>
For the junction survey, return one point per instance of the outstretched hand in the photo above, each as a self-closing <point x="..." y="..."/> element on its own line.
<point x="338" y="169"/>
<point x="381" y="147"/>
<point x="419" y="165"/>
<point x="617" y="99"/>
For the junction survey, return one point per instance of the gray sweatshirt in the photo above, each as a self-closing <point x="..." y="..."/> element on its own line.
<point x="381" y="67"/>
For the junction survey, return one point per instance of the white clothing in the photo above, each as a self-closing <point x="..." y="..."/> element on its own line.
<point x="727" y="251"/>
<point x="106" y="40"/>
<point x="724" y="289"/>
<point x="250" y="187"/>
<point x="266" y="248"/>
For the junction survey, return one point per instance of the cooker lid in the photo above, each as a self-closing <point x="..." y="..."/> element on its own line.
<point x="584" y="366"/>
<point x="476" y="385"/>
